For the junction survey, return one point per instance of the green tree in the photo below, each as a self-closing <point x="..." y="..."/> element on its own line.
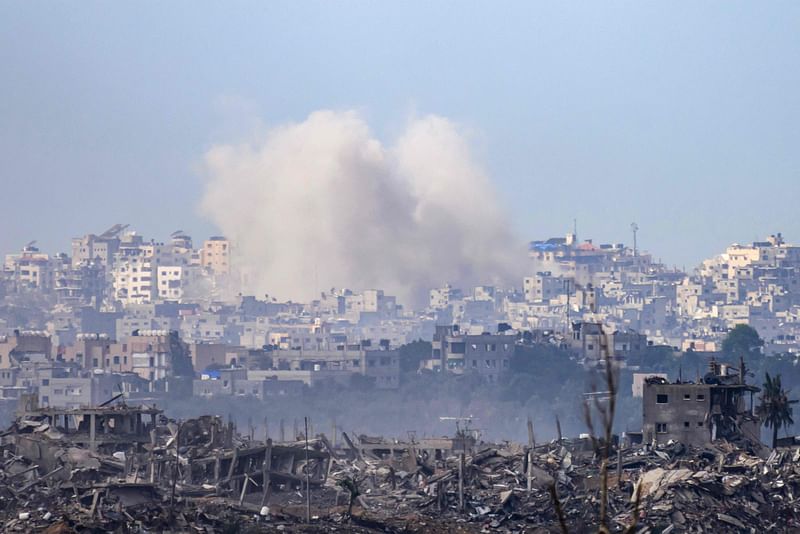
<point x="360" y="382"/>
<point x="775" y="408"/>
<point x="411" y="354"/>
<point x="742" y="341"/>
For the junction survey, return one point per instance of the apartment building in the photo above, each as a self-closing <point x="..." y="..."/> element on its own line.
<point x="215" y="256"/>
<point x="488" y="355"/>
<point x="99" y="249"/>
<point x="31" y="269"/>
<point x="176" y="281"/>
<point x="158" y="354"/>
<point x="544" y="286"/>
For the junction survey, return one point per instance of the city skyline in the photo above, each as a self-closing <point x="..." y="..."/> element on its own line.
<point x="239" y="271"/>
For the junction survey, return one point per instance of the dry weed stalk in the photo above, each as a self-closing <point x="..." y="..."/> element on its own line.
<point x="604" y="408"/>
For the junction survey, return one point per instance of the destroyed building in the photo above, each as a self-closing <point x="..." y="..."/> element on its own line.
<point x="41" y="432"/>
<point x="720" y="405"/>
<point x="24" y="346"/>
<point x="123" y="468"/>
<point x="137" y="444"/>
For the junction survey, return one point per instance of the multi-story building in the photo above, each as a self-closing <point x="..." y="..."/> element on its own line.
<point x="595" y="341"/>
<point x="159" y="354"/>
<point x="84" y="284"/>
<point x="544" y="286"/>
<point x="382" y="364"/>
<point x="138" y="265"/>
<point x="175" y="281"/>
<point x="93" y="351"/>
<point x="97" y="249"/>
<point x="215" y="256"/>
<point x="133" y="277"/>
<point x="488" y="355"/>
<point x="31" y="269"/>
<point x="90" y="390"/>
<point x="720" y="406"/>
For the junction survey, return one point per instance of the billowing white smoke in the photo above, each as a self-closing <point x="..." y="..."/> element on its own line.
<point x="323" y="204"/>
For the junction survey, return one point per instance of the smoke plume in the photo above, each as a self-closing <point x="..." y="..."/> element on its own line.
<point x="323" y="203"/>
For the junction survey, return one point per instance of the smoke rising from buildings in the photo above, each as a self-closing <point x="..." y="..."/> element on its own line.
<point x="323" y="203"/>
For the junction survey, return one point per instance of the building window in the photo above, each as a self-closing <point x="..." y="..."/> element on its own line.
<point x="699" y="423"/>
<point x="590" y="347"/>
<point x="662" y="398"/>
<point x="687" y="396"/>
<point x="661" y="428"/>
<point x="701" y="397"/>
<point x="686" y="424"/>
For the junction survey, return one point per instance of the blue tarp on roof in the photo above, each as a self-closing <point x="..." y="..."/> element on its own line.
<point x="542" y="246"/>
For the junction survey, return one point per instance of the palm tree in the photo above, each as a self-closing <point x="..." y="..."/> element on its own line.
<point x="775" y="408"/>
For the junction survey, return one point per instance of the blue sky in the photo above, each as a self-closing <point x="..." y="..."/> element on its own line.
<point x="682" y="116"/>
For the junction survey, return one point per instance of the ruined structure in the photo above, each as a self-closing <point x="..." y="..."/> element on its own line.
<point x="130" y="469"/>
<point x="117" y="443"/>
<point x="720" y="405"/>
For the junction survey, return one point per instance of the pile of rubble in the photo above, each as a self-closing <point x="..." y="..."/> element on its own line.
<point x="508" y="488"/>
<point x="130" y="469"/>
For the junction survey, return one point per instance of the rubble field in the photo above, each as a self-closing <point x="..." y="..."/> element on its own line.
<point x="108" y="469"/>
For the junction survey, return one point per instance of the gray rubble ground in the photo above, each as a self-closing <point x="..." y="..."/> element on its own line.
<point x="724" y="487"/>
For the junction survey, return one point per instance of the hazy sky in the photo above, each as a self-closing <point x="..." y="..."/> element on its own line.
<point x="684" y="117"/>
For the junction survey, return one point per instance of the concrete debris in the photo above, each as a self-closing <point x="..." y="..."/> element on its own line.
<point x="129" y="469"/>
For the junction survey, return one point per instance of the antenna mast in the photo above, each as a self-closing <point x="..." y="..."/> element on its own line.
<point x="634" y="229"/>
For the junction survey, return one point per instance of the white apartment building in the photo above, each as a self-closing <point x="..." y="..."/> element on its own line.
<point x="137" y="267"/>
<point x="134" y="279"/>
<point x="175" y="280"/>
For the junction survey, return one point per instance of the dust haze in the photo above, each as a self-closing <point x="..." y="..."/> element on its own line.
<point x="324" y="203"/>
